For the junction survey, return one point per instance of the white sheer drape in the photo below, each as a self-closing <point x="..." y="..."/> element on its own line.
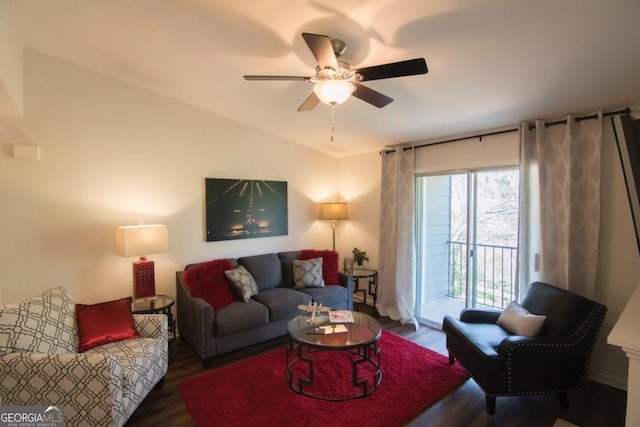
<point x="560" y="204"/>
<point x="397" y="287"/>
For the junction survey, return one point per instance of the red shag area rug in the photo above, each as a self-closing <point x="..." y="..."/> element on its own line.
<point x="255" y="391"/>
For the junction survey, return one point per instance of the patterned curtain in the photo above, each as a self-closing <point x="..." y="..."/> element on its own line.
<point x="397" y="288"/>
<point x="560" y="204"/>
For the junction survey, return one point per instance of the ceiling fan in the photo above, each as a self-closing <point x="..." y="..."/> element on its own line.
<point x="335" y="81"/>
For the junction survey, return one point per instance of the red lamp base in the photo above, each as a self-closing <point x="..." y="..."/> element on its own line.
<point x="144" y="281"/>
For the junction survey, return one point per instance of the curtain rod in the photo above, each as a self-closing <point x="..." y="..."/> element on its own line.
<point x="626" y="110"/>
<point x="462" y="138"/>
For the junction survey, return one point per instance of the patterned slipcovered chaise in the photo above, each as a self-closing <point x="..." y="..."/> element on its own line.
<point x="102" y="386"/>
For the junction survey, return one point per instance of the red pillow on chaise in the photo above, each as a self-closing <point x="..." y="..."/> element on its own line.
<point x="99" y="324"/>
<point x="207" y="281"/>
<point x="329" y="263"/>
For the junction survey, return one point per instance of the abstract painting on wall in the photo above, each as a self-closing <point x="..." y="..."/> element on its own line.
<point x="245" y="208"/>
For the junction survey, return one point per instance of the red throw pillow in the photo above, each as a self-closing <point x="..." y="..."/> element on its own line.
<point x="329" y="263"/>
<point x="103" y="323"/>
<point x="207" y="281"/>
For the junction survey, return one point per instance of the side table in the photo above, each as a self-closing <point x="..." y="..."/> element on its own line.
<point x="158" y="304"/>
<point x="371" y="288"/>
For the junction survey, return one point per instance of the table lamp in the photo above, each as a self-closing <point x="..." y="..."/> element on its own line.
<point x="334" y="212"/>
<point x="142" y="240"/>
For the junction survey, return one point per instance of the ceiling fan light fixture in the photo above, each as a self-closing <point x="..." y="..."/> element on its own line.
<point x="333" y="92"/>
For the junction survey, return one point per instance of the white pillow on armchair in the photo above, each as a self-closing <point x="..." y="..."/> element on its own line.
<point x="519" y="321"/>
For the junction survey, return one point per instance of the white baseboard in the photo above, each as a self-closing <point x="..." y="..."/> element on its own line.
<point x="609" y="380"/>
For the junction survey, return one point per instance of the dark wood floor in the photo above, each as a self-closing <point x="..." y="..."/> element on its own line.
<point x="594" y="404"/>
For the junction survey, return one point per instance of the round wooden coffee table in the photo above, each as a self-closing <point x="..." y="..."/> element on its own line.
<point x="310" y="355"/>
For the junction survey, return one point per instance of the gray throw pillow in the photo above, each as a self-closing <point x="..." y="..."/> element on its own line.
<point x="242" y="282"/>
<point x="308" y="273"/>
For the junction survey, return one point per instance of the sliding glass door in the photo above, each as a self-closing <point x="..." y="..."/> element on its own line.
<point x="467" y="233"/>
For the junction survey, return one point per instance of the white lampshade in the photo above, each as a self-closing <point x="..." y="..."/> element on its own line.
<point x="333" y="211"/>
<point x="140" y="240"/>
<point x="333" y="92"/>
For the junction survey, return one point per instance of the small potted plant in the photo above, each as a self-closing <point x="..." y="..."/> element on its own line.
<point x="359" y="256"/>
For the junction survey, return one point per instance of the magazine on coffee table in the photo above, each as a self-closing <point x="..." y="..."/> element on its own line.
<point x="340" y="316"/>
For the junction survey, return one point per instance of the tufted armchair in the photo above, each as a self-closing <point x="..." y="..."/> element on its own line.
<point x="40" y="363"/>
<point x="555" y="360"/>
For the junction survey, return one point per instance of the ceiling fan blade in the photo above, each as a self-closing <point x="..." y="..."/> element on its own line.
<point x="409" y="67"/>
<point x="295" y="78"/>
<point x="371" y="96"/>
<point x="309" y="103"/>
<point x="322" y="50"/>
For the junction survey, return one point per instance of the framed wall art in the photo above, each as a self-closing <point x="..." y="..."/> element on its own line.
<point x="245" y="209"/>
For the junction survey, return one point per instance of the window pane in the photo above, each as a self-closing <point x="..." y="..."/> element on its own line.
<point x="447" y="264"/>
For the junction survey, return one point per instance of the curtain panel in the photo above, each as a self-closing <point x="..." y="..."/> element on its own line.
<point x="397" y="286"/>
<point x="560" y="204"/>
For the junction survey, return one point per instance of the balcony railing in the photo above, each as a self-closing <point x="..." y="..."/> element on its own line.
<point x="495" y="273"/>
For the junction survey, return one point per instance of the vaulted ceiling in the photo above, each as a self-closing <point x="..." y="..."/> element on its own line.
<point x="491" y="62"/>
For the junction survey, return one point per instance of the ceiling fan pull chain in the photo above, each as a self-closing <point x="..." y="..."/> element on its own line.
<point x="333" y="121"/>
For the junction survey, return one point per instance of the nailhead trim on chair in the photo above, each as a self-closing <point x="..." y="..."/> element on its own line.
<point x="203" y="341"/>
<point x="599" y="316"/>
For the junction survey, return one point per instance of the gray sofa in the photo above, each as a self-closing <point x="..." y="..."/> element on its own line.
<point x="212" y="332"/>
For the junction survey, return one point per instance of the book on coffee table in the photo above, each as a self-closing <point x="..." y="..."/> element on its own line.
<point x="340" y="316"/>
<point x="332" y="329"/>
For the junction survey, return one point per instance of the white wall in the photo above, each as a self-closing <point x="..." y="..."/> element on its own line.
<point x="11" y="98"/>
<point x="360" y="187"/>
<point x="493" y="151"/>
<point x="114" y="154"/>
